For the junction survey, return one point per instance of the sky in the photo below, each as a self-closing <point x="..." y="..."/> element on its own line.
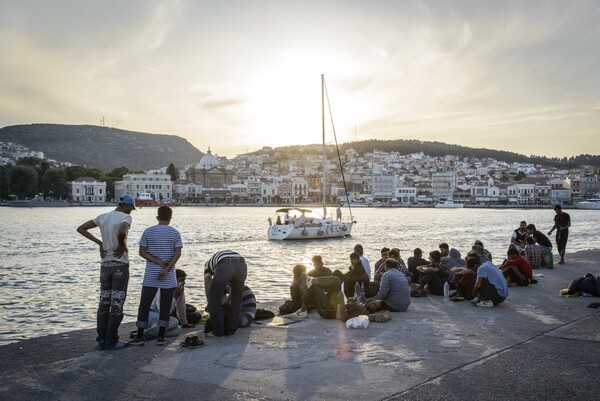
<point x="521" y="76"/>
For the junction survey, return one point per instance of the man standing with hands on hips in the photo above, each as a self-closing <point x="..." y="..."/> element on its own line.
<point x="562" y="222"/>
<point x="114" y="270"/>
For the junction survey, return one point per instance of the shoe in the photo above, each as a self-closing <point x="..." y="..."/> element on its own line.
<point x="117" y="345"/>
<point x="474" y="300"/>
<point x="210" y="334"/>
<point x="192" y="342"/>
<point x="533" y="281"/>
<point x="161" y="341"/>
<point x="298" y="315"/>
<point x="100" y="345"/>
<point x="137" y="341"/>
<point x="457" y="298"/>
<point x="188" y="326"/>
<point x="485" y="304"/>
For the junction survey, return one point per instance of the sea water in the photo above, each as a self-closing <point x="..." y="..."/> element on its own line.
<point x="50" y="274"/>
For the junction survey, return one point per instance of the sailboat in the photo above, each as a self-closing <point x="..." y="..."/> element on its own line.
<point x="301" y="223"/>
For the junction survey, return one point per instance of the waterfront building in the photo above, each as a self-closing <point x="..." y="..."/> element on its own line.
<point x="383" y="186"/>
<point x="185" y="191"/>
<point x="157" y="184"/>
<point x="208" y="174"/>
<point x="443" y="185"/>
<point x="88" y="189"/>
<point x="406" y="195"/>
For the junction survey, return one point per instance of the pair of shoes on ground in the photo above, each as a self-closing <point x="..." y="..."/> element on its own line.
<point x="192" y="342"/>
<point x="300" y="314"/>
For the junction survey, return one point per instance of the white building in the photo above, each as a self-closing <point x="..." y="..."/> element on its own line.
<point x="157" y="184"/>
<point x="443" y="185"/>
<point x="406" y="195"/>
<point x="383" y="186"/>
<point x="88" y="189"/>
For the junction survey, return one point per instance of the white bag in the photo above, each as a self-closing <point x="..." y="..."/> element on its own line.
<point x="360" y="322"/>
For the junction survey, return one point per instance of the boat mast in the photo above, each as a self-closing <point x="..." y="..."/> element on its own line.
<point x="323" y="190"/>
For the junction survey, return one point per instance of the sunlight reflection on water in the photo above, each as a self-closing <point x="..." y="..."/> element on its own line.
<point x="50" y="274"/>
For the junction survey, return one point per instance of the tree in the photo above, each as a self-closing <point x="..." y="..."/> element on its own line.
<point x="55" y="181"/>
<point x="5" y="181"/>
<point x="173" y="172"/>
<point x="23" y="181"/>
<point x="520" y="175"/>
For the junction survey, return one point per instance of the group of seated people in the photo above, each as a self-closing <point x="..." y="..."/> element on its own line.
<point x="393" y="282"/>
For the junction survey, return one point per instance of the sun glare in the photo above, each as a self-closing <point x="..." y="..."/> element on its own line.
<point x="285" y="99"/>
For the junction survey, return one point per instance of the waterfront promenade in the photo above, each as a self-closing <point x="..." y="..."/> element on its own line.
<point x="535" y="346"/>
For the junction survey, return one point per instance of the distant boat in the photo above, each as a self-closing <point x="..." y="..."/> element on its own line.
<point x="590" y="204"/>
<point x="38" y="201"/>
<point x="448" y="204"/>
<point x="305" y="223"/>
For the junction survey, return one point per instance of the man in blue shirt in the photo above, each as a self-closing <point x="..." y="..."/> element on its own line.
<point x="490" y="288"/>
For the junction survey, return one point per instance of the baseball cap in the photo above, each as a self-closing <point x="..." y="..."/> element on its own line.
<point x="127" y="200"/>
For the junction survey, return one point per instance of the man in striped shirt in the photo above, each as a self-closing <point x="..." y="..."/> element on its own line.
<point x="223" y="268"/>
<point x="161" y="246"/>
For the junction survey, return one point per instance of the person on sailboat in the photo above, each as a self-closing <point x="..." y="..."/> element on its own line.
<point x="286" y="218"/>
<point x="338" y="213"/>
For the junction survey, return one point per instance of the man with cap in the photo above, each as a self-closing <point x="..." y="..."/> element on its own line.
<point x="114" y="270"/>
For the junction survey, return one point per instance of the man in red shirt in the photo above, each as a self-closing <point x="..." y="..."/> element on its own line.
<point x="517" y="269"/>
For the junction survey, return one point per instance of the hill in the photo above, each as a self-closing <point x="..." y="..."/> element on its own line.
<point x="438" y="149"/>
<point x="103" y="147"/>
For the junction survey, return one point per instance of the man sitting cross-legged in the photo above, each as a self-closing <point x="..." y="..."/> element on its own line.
<point x="394" y="292"/>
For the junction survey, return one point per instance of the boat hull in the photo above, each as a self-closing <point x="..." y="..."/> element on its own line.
<point x="589" y="205"/>
<point x="318" y="229"/>
<point x="449" y="205"/>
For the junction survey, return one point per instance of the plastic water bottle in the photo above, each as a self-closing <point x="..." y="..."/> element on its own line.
<point x="446" y="291"/>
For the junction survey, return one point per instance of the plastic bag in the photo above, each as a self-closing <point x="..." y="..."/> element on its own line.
<point x="359" y="322"/>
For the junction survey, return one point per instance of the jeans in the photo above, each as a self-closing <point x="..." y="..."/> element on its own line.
<point x="151" y="332"/>
<point x="114" y="277"/>
<point x="487" y="292"/>
<point x="148" y="294"/>
<point x="433" y="282"/>
<point x="233" y="273"/>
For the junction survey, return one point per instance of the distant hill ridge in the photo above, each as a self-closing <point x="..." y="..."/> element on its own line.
<point x="103" y="147"/>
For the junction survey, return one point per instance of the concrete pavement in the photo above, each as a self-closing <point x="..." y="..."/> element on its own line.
<point x="535" y="346"/>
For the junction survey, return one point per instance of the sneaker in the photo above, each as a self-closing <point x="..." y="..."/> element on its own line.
<point x="117" y="345"/>
<point x="161" y="341"/>
<point x="100" y="345"/>
<point x="457" y="298"/>
<point x="485" y="304"/>
<point x="474" y="300"/>
<point x="298" y="315"/>
<point x="533" y="281"/>
<point x="137" y="341"/>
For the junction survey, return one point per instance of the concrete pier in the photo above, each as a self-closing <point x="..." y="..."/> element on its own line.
<point x="535" y="346"/>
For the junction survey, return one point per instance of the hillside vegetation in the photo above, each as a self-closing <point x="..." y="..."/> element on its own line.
<point x="102" y="147"/>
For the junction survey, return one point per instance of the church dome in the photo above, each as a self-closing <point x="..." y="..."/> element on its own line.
<point x="207" y="162"/>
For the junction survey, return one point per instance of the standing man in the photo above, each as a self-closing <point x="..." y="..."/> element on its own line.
<point x="338" y="213"/>
<point x="223" y="268"/>
<point x="114" y="270"/>
<point x="562" y="222"/>
<point x="161" y="246"/>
